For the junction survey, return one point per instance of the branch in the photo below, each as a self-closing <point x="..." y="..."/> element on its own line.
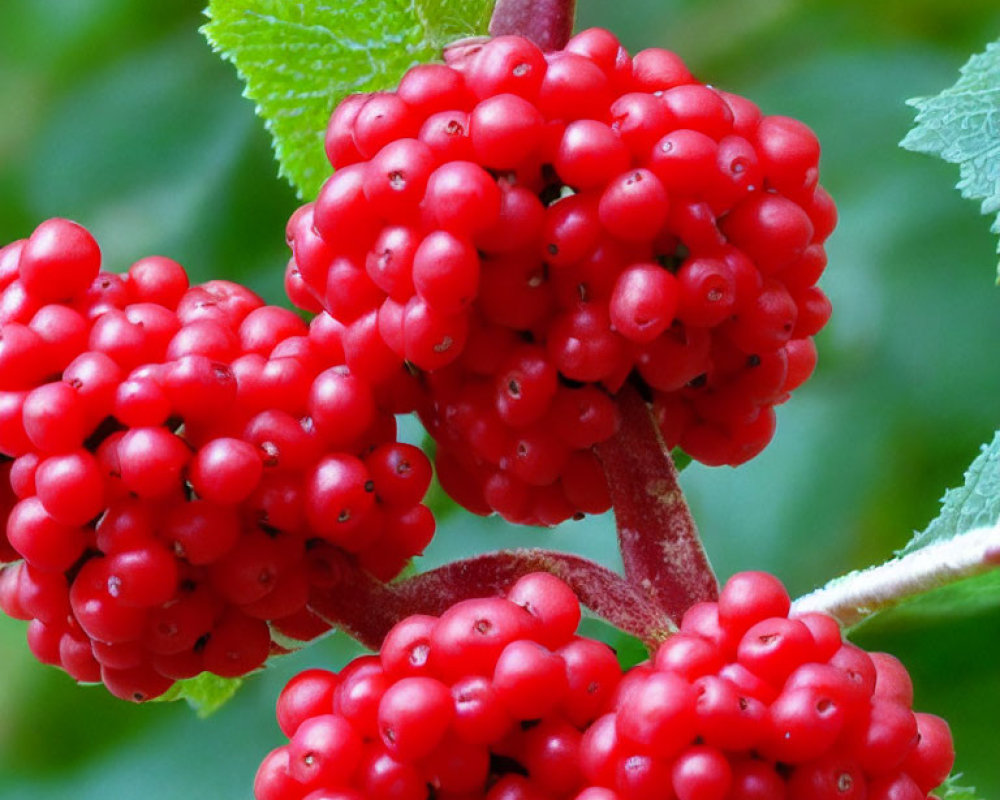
<point x="659" y="541"/>
<point x="367" y="609"/>
<point x="548" y="23"/>
<point x="860" y="594"/>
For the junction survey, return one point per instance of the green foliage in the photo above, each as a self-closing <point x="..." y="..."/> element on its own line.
<point x="205" y="693"/>
<point x="960" y="126"/>
<point x="975" y="504"/>
<point x="949" y="791"/>
<point x="299" y="60"/>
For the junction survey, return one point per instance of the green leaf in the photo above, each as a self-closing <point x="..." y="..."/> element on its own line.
<point x="960" y="126"/>
<point x="948" y="569"/>
<point x="949" y="791"/>
<point x="299" y="60"/>
<point x="681" y="459"/>
<point x="205" y="693"/>
<point x="447" y="20"/>
<point x="975" y="504"/>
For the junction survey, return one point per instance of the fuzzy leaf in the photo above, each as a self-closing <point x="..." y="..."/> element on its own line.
<point x="948" y="569"/>
<point x="962" y="126"/>
<point x="949" y="791"/>
<point x="447" y="20"/>
<point x="205" y="693"/>
<point x="299" y="60"/>
<point x="975" y="504"/>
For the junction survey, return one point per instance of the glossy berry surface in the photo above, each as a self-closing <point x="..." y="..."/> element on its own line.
<point x="529" y="231"/>
<point x="498" y="697"/>
<point x="181" y="467"/>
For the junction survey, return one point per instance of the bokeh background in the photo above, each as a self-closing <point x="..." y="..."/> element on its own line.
<point x="117" y="114"/>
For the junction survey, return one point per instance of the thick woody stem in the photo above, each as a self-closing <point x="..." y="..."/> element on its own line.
<point x="548" y="23"/>
<point x="858" y="595"/>
<point x="660" y="546"/>
<point x="367" y="608"/>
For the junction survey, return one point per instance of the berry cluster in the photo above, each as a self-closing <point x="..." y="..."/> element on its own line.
<point x="181" y="465"/>
<point x="530" y="230"/>
<point x="498" y="699"/>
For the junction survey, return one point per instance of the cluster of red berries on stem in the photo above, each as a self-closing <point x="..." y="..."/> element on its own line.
<point x="528" y="231"/>
<point x="498" y="698"/>
<point x="182" y="466"/>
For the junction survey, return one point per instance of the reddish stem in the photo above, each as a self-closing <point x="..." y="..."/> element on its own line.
<point x="660" y="546"/>
<point x="367" y="608"/>
<point x="548" y="23"/>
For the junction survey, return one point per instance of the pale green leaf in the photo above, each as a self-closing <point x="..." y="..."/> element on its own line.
<point x="447" y="20"/>
<point x="205" y="693"/>
<point x="962" y="126"/>
<point x="299" y="60"/>
<point x="950" y="791"/>
<point x="948" y="569"/>
<point x="975" y="504"/>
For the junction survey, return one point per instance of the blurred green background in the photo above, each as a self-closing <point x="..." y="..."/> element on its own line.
<point x="117" y="114"/>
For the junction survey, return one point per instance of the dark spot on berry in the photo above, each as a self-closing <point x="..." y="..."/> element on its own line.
<point x="844" y="782"/>
<point x="444" y="345"/>
<point x="369" y="486"/>
<point x="699" y="382"/>
<point x="344" y="515"/>
<point x="403" y="467"/>
<point x="482" y="626"/>
<point x="514" y="388"/>
<point x="454" y="128"/>
<point x="552" y="248"/>
<point x="592" y="687"/>
<point x="753" y="361"/>
<point x="397" y="180"/>
<point x="521" y="70"/>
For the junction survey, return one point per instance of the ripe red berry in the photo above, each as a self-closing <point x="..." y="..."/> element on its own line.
<point x="621" y="218"/>
<point x="658" y="728"/>
<point x="163" y="437"/>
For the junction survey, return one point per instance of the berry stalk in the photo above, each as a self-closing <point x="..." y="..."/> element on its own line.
<point x="367" y="608"/>
<point x="660" y="546"/>
<point x="859" y="595"/>
<point x="548" y="23"/>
